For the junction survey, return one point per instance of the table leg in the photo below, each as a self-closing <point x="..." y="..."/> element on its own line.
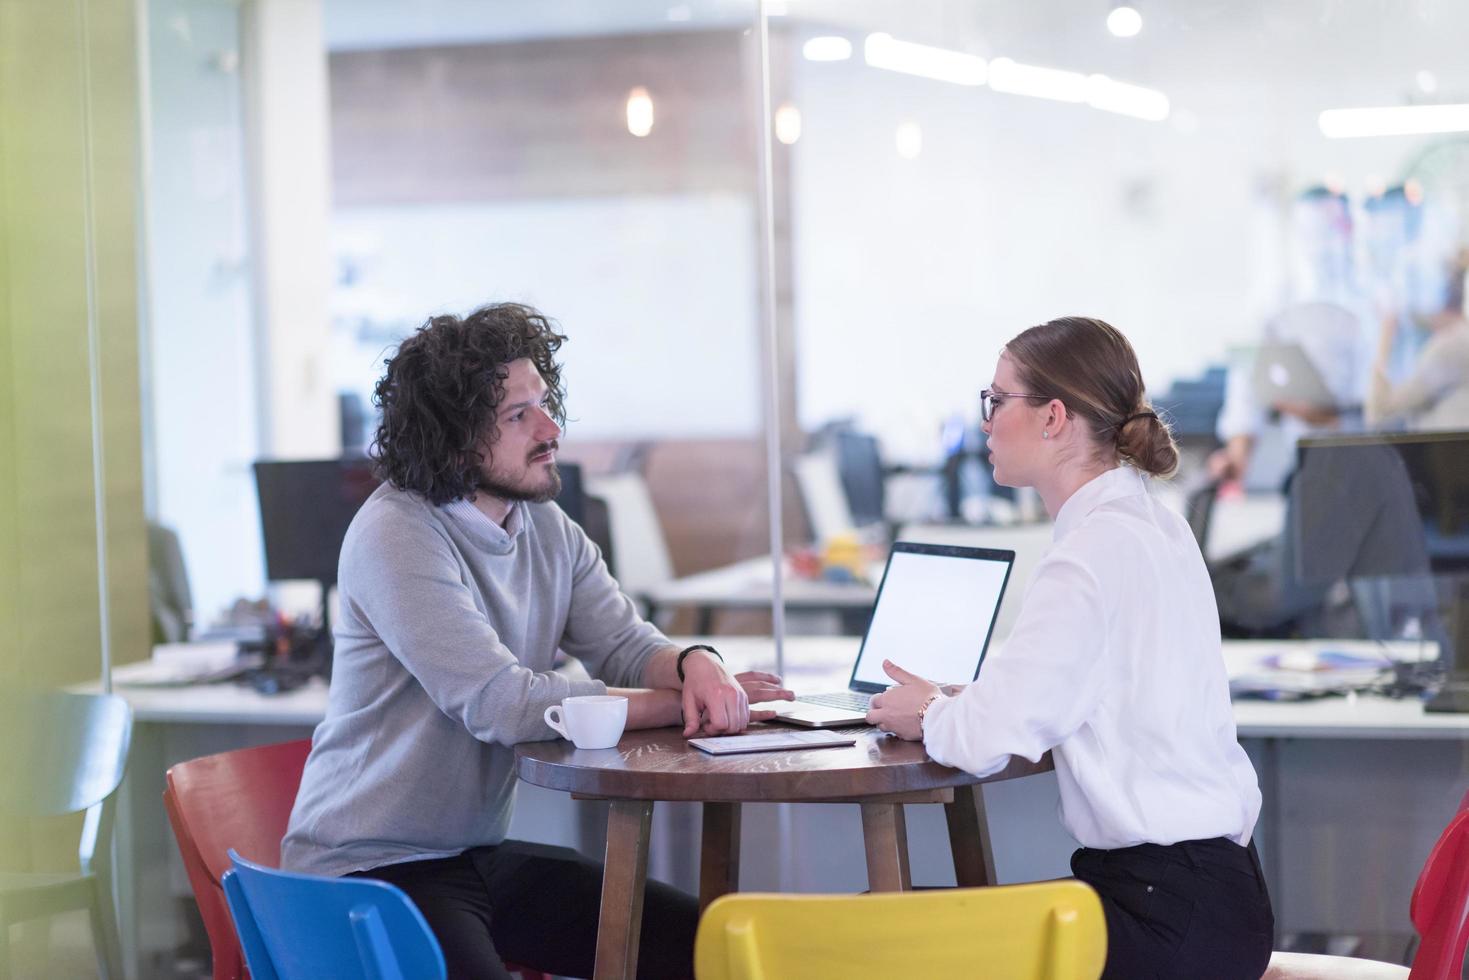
<point x="969" y="838"/>
<point x="623" y="878"/>
<point x="719" y="857"/>
<point x="885" y="832"/>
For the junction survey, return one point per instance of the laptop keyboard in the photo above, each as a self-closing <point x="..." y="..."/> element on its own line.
<point x="852" y="700"/>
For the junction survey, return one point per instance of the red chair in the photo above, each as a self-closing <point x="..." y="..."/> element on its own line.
<point x="239" y="799"/>
<point x="1440" y="905"/>
<point x="1440" y="913"/>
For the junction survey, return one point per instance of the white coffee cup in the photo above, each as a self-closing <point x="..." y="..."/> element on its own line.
<point x="591" y="721"/>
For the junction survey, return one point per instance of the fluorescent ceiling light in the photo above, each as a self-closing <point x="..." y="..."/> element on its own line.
<point x="827" y="49"/>
<point x="1404" y="120"/>
<point x="1041" y="83"/>
<point x="1124" y="21"/>
<point x="1110" y="95"/>
<point x="941" y="64"/>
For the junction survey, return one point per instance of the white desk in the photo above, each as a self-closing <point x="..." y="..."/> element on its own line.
<point x="749" y="584"/>
<point x="1357" y="790"/>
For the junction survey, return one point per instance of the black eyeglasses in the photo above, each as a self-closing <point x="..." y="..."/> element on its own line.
<point x="991" y="399"/>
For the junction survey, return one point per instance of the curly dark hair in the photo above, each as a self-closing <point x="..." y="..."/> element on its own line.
<point x="442" y="389"/>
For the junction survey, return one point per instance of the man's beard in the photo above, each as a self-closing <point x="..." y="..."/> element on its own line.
<point x="537" y="495"/>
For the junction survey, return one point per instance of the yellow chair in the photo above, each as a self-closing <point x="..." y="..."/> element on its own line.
<point x="1052" y="930"/>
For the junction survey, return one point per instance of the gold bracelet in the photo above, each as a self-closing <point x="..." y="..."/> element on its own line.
<point x="923" y="709"/>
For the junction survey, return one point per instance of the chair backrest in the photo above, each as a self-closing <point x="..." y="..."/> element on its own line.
<point x="239" y="799"/>
<point x="307" y="926"/>
<point x="1053" y="930"/>
<point x="822" y="495"/>
<point x="64" y="753"/>
<point x="637" y="536"/>
<point x="1440" y="905"/>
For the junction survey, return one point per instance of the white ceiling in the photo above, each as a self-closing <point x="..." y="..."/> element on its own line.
<point x="1336" y="51"/>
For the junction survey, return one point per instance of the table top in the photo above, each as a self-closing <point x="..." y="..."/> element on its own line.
<point x="823" y="663"/>
<point x="659" y="764"/>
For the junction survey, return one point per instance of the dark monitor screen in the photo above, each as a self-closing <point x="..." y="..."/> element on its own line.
<point x="572" y="497"/>
<point x="1382" y="505"/>
<point x="859" y="463"/>
<point x="305" y="507"/>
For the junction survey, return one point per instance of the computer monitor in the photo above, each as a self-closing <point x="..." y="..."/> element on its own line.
<point x="859" y="463"/>
<point x="305" y="508"/>
<point x="1393" y="506"/>
<point x="572" y="498"/>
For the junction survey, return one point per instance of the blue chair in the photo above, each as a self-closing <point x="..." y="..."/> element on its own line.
<point x="304" y="927"/>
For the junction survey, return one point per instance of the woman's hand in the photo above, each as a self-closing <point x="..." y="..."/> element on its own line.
<point x="896" y="709"/>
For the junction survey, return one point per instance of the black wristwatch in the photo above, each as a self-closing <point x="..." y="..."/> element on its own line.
<point x="688" y="650"/>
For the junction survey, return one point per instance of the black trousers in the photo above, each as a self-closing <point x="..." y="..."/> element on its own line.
<point x="536" y="906"/>
<point x="1196" y="909"/>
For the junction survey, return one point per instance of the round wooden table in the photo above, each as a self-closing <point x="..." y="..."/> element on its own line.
<point x="879" y="773"/>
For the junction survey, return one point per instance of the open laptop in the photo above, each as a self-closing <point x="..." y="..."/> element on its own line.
<point x="934" y="614"/>
<point x="1284" y="372"/>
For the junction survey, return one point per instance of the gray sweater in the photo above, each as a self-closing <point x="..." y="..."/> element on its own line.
<point x="448" y="632"/>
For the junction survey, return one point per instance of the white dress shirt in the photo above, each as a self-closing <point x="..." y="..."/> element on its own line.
<point x="1115" y="666"/>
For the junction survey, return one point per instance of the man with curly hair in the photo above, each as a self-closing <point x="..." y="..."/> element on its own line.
<point x="459" y="581"/>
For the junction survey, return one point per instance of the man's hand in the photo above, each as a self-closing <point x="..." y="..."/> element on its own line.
<point x="760" y="686"/>
<point x="713" y="700"/>
<point x="896" y="709"/>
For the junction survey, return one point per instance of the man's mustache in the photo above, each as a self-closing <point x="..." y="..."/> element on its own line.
<point x="544" y="447"/>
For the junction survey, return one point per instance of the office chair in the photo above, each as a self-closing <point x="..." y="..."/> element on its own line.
<point x="1050" y="929"/>
<point x="74" y="750"/>
<point x="303" y="927"/>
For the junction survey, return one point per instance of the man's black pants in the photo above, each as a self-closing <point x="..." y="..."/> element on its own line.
<point x="536" y="906"/>
<point x="1192" y="909"/>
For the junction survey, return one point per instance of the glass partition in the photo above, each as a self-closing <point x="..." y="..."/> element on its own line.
<point x="1269" y="200"/>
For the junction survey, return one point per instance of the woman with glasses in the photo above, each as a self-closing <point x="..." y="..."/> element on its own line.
<point x="1114" y="666"/>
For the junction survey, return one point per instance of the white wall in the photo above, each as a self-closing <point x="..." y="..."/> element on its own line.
<point x="656" y="295"/>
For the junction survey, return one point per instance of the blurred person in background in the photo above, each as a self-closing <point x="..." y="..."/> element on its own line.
<point x="1435" y="393"/>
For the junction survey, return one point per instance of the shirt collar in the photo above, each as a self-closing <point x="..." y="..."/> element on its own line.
<point x="476" y="523"/>
<point x="1120" y="481"/>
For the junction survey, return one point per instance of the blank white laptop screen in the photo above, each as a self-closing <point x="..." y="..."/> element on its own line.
<point x="933" y="617"/>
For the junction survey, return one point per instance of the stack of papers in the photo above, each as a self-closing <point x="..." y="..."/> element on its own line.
<point x="179" y="664"/>
<point x="1296" y="674"/>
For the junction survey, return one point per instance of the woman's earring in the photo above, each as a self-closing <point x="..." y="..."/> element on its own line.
<point x="1045" y="435"/>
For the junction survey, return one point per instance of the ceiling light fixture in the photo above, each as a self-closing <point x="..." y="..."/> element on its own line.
<point x="639" y="112"/>
<point x="1124" y="21"/>
<point x="1040" y="83"/>
<point x="940" y="64"/>
<point x="1111" y="95"/>
<point x="1403" y="120"/>
<point x="827" y="49"/>
<point x="788" y="124"/>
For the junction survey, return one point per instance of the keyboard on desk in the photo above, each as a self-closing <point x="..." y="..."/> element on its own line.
<point x="851" y="700"/>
